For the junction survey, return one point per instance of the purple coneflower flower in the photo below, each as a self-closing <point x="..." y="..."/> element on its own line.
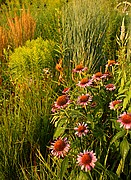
<point x="60" y="147"/>
<point x="84" y="99"/>
<point x="110" y="87"/>
<point x="81" y="129"/>
<point x="79" y="68"/>
<point x="62" y="102"/>
<point x="84" y="82"/>
<point x="125" y="120"/>
<point x="107" y="74"/>
<point x="86" y="160"/>
<point x="66" y="90"/>
<point x="97" y="76"/>
<point x="114" y="104"/>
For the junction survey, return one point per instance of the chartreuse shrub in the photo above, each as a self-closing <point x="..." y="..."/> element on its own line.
<point x="30" y="60"/>
<point x="25" y="123"/>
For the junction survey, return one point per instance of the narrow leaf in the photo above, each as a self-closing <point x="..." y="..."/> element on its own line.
<point x="64" y="166"/>
<point x="124" y="148"/>
<point x="59" y="131"/>
<point x="119" y="169"/>
<point x="117" y="136"/>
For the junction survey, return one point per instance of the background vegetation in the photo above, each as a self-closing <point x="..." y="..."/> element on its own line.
<point x="40" y="43"/>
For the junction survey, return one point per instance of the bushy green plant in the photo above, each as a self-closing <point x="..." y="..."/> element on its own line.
<point x="105" y="137"/>
<point x="31" y="59"/>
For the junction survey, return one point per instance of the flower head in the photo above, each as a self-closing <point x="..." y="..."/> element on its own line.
<point x="62" y="102"/>
<point x="66" y="90"/>
<point x="60" y="147"/>
<point x="115" y="104"/>
<point x="125" y="120"/>
<point x="110" y="87"/>
<point x="97" y="76"/>
<point x="107" y="74"/>
<point x="84" y="99"/>
<point x="79" y="68"/>
<point x="84" y="82"/>
<point x="81" y="129"/>
<point x="86" y="160"/>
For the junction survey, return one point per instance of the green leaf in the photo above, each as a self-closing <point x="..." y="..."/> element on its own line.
<point x="124" y="148"/>
<point x="125" y="103"/>
<point x="59" y="131"/>
<point x="121" y="92"/>
<point x="117" y="136"/>
<point x="64" y="166"/>
<point x="119" y="169"/>
<point x="122" y="82"/>
<point x="82" y="176"/>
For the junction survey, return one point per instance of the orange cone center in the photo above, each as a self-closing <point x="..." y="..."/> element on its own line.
<point x="59" y="145"/>
<point x="84" y="98"/>
<point x="81" y="129"/>
<point x="126" y="118"/>
<point x="62" y="100"/>
<point x="86" y="159"/>
<point x="84" y="80"/>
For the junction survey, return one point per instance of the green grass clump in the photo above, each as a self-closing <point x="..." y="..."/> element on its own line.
<point x="89" y="32"/>
<point x="26" y="108"/>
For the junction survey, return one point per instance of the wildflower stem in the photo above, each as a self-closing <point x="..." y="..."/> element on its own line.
<point x="106" y="156"/>
<point x="81" y="143"/>
<point x="127" y="132"/>
<point x="90" y="175"/>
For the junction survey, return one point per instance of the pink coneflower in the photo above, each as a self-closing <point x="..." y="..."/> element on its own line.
<point x="81" y="129"/>
<point x="86" y="160"/>
<point x="125" y="120"/>
<point x="84" y="82"/>
<point x="60" y="147"/>
<point x="84" y="99"/>
<point x="107" y="74"/>
<point x="115" y="104"/>
<point x="54" y="109"/>
<point x="110" y="87"/>
<point x="62" y="102"/>
<point x="97" y="76"/>
<point x="79" y="68"/>
<point x="66" y="90"/>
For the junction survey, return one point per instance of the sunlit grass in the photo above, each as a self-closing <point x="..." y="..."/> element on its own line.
<point x="33" y="77"/>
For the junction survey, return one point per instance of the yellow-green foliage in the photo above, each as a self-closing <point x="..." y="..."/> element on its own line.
<point x="29" y="61"/>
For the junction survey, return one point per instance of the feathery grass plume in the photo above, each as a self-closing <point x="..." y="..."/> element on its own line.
<point x="21" y="28"/>
<point x="3" y="40"/>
